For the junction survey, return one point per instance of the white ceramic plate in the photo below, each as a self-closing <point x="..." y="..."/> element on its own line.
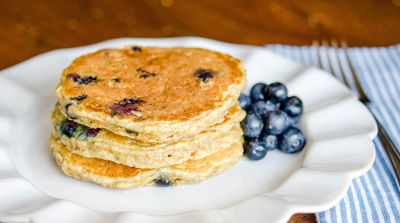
<point x="338" y="128"/>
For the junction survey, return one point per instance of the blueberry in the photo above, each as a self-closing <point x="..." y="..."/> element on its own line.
<point x="270" y="141"/>
<point x="244" y="101"/>
<point x="204" y="74"/>
<point x="80" y="98"/>
<point x="254" y="149"/>
<point x="292" y="140"/>
<point x="144" y="73"/>
<point x="92" y="132"/>
<point x="293" y="106"/>
<point x="136" y="49"/>
<point x="68" y="128"/>
<point x="276" y="122"/>
<point x="74" y="76"/>
<point x="87" y="80"/>
<point x="256" y="92"/>
<point x="81" y="80"/>
<point x="127" y="101"/>
<point x="161" y="182"/>
<point x="277" y="91"/>
<point x="262" y="108"/>
<point x="126" y="106"/>
<point x="252" y="125"/>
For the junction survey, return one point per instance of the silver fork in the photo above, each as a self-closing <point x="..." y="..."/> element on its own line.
<point x="390" y="148"/>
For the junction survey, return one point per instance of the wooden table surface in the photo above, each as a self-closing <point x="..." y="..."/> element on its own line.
<point x="30" y="27"/>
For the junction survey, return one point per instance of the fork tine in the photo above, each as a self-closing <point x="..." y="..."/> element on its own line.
<point x="335" y="44"/>
<point x="325" y="43"/>
<point x="363" y="96"/>
<point x="317" y="49"/>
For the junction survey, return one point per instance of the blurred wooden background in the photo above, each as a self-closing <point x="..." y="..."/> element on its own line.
<point x="30" y="27"/>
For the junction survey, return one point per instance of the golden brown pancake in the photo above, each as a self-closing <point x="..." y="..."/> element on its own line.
<point x="103" y="144"/>
<point x="151" y="94"/>
<point x="110" y="174"/>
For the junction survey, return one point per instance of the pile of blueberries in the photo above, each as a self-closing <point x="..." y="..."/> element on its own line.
<point x="271" y="121"/>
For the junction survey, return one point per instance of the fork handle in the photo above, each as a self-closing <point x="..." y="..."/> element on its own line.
<point x="390" y="148"/>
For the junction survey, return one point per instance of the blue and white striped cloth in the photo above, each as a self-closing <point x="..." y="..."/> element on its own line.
<point x="374" y="196"/>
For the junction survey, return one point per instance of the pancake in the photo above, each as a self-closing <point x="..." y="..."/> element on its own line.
<point x="150" y="94"/>
<point x="110" y="174"/>
<point x="106" y="145"/>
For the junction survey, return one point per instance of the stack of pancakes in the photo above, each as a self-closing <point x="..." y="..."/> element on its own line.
<point x="148" y="116"/>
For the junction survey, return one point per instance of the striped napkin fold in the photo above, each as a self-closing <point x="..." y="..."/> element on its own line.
<point x="374" y="196"/>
